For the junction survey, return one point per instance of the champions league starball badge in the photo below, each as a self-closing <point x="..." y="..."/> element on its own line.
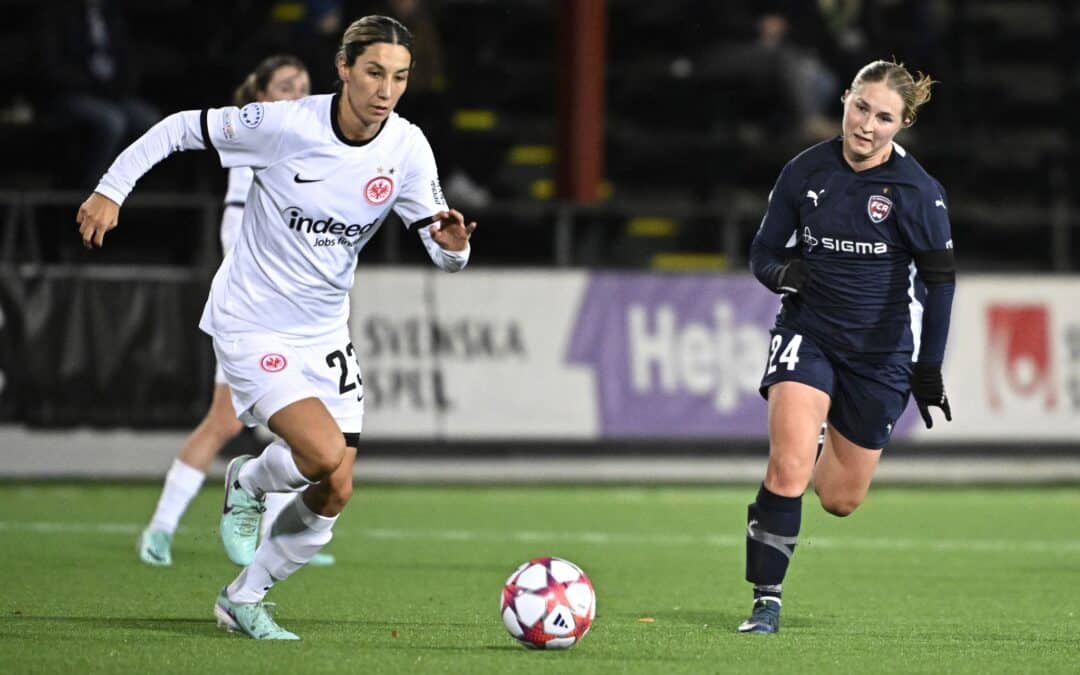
<point x="251" y="115"/>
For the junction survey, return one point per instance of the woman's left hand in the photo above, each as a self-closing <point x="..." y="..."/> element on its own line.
<point x="450" y="231"/>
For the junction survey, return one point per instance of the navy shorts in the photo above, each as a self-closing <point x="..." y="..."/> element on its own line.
<point x="867" y="398"/>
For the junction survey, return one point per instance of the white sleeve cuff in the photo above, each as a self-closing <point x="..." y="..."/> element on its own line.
<point x="450" y="261"/>
<point x="106" y="190"/>
<point x="453" y="261"/>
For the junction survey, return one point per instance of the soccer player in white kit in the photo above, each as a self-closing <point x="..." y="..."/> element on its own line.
<point x="281" y="77"/>
<point x="328" y="169"/>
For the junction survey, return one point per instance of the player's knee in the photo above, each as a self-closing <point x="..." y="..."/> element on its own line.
<point x="791" y="475"/>
<point x="839" y="506"/>
<point x="326" y="459"/>
<point x="339" y="496"/>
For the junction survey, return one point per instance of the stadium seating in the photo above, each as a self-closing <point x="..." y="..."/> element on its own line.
<point x="680" y="138"/>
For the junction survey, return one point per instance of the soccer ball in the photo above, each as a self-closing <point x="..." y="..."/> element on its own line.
<point x="548" y="603"/>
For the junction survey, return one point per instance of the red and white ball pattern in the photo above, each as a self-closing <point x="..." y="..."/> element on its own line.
<point x="548" y="603"/>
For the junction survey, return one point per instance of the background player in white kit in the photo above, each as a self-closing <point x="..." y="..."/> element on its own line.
<point x="328" y="169"/>
<point x="281" y="77"/>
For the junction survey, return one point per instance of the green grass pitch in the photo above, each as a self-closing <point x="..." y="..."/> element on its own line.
<point x="943" y="580"/>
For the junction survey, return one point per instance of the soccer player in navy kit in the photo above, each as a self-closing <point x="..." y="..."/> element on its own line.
<point x="856" y="237"/>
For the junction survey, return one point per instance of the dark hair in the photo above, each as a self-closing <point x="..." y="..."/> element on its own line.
<point x="369" y="30"/>
<point x="914" y="91"/>
<point x="258" y="79"/>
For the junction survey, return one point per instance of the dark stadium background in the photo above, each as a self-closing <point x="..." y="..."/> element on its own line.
<point x="692" y="138"/>
<point x="689" y="135"/>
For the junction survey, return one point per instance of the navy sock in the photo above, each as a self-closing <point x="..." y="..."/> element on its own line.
<point x="772" y="529"/>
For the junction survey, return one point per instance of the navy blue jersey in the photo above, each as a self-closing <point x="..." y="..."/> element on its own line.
<point x="860" y="234"/>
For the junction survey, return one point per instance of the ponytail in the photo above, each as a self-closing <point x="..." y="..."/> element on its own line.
<point x="258" y="79"/>
<point x="246" y="92"/>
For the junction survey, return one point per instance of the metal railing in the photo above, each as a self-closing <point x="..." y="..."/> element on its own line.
<point x="20" y="240"/>
<point x="732" y="222"/>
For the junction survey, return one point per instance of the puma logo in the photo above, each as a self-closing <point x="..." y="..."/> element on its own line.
<point x="938" y="202"/>
<point x="810" y="194"/>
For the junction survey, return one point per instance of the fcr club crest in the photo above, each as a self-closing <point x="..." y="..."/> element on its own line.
<point x="878" y="208"/>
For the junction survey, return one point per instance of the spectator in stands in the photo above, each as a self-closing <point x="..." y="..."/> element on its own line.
<point x="914" y="28"/>
<point x="785" y="52"/>
<point x="910" y="27"/>
<point x="282" y="77"/>
<point x="329" y="169"/>
<point x="856" y="238"/>
<point x="307" y="28"/>
<point x="92" y="77"/>
<point x="429" y="104"/>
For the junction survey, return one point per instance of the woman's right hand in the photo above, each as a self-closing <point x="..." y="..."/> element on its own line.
<point x="97" y="215"/>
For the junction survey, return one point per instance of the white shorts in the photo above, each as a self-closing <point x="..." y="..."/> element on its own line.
<point x="265" y="374"/>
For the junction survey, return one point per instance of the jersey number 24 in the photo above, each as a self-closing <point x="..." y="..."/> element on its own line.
<point x="790" y="355"/>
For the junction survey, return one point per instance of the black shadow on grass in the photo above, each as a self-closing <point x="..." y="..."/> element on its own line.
<point x="681" y="617"/>
<point x="715" y="620"/>
<point x="175" y="625"/>
<point x="500" y="570"/>
<point x="391" y="625"/>
<point x="579" y="652"/>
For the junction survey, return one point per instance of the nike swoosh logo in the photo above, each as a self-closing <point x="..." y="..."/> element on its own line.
<point x="298" y="179"/>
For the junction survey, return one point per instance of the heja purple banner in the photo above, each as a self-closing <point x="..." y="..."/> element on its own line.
<point x="679" y="356"/>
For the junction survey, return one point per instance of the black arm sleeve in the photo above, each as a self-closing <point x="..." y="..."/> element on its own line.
<point x="937" y="269"/>
<point x="766" y="263"/>
<point x="769" y="250"/>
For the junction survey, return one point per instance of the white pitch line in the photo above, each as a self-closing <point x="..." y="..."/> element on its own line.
<point x="1070" y="546"/>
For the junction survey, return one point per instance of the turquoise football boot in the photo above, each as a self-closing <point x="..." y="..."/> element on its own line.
<point x="250" y="618"/>
<point x="240" y="517"/>
<point x="155" y="547"/>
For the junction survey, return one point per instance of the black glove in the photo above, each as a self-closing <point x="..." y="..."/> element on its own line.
<point x="793" y="277"/>
<point x="928" y="390"/>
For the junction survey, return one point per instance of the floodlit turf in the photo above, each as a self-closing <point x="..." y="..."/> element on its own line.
<point x="919" y="580"/>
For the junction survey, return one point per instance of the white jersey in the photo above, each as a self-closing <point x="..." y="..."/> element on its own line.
<point x="236" y="192"/>
<point x="316" y="200"/>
